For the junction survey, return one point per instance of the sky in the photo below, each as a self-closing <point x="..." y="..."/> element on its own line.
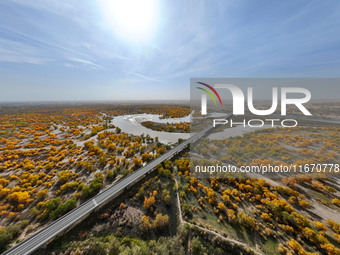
<point x="101" y="50"/>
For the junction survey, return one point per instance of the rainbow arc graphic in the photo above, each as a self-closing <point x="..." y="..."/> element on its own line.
<point x="209" y="93"/>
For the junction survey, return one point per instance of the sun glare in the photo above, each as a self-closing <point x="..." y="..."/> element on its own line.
<point x="131" y="20"/>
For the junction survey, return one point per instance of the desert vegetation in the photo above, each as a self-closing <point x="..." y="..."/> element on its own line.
<point x="182" y="127"/>
<point x="54" y="158"/>
<point x="287" y="214"/>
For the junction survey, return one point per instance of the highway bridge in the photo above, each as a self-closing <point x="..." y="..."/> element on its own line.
<point x="44" y="236"/>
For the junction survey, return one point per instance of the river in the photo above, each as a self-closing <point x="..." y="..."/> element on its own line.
<point x="131" y="124"/>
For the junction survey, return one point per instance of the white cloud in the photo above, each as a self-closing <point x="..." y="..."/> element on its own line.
<point x="86" y="63"/>
<point x="145" y="77"/>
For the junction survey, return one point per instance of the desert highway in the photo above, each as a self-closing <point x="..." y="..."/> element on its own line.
<point x="73" y="217"/>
